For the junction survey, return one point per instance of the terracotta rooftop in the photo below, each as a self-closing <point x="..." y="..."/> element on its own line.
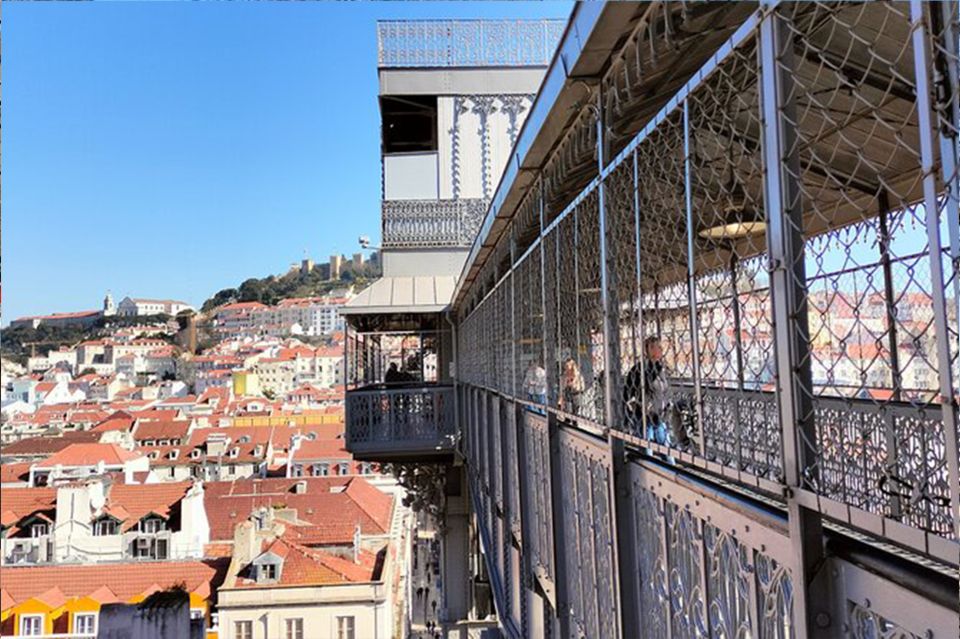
<point x="119" y="420"/>
<point x="121" y="581"/>
<point x="331" y="506"/>
<point x="37" y="446"/>
<point x="161" y="429"/>
<point x="14" y="473"/>
<point x="320" y="449"/>
<point x="89" y="455"/>
<point x="139" y="500"/>
<point x="304" y="566"/>
<point x="18" y="503"/>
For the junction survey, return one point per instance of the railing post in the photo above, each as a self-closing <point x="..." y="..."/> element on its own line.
<point x="692" y="278"/>
<point x="618" y="474"/>
<point x="932" y="206"/>
<point x="789" y="296"/>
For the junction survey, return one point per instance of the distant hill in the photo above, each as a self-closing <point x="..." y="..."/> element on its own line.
<point x="273" y="288"/>
<point x="20" y="342"/>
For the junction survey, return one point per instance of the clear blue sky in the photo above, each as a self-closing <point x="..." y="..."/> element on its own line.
<point x="174" y="149"/>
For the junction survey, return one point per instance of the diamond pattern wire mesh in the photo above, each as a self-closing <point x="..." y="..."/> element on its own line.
<point x="551" y="319"/>
<point x="663" y="295"/>
<point x="870" y="305"/>
<point x="530" y="379"/>
<point x="731" y="286"/>
<point x="505" y="338"/>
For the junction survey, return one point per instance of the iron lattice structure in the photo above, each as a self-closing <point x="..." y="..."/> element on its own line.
<point x="786" y="229"/>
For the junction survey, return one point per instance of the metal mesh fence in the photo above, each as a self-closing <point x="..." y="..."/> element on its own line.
<point x="870" y="322"/>
<point x="860" y="367"/>
<point x="530" y="376"/>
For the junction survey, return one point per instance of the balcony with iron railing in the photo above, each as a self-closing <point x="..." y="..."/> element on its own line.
<point x="400" y="404"/>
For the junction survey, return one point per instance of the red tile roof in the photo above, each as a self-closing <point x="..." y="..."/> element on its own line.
<point x="89" y="455"/>
<point x="119" y="420"/>
<point x="161" y="429"/>
<point x="321" y="449"/>
<point x="13" y="473"/>
<point x="304" y="566"/>
<point x="18" y="503"/>
<point x="332" y="516"/>
<point x="124" y="581"/>
<point x="38" y="446"/>
<point x="139" y="500"/>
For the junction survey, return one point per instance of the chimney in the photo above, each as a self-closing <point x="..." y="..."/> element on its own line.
<point x="356" y="544"/>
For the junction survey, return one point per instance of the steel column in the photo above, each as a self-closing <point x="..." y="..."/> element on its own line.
<point x="890" y="436"/>
<point x="789" y="296"/>
<point x="559" y="533"/>
<point x="925" y="114"/>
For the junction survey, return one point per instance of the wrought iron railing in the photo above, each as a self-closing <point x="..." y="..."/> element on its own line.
<point x="431" y="223"/>
<point x="467" y="43"/>
<point x="421" y="418"/>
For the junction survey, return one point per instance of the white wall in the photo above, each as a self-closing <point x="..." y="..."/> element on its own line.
<point x="410" y="176"/>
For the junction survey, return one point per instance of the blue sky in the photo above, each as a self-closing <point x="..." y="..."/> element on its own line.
<point x="174" y="149"/>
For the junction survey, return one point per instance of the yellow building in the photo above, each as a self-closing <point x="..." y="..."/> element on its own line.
<point x="245" y="383"/>
<point x="61" y="599"/>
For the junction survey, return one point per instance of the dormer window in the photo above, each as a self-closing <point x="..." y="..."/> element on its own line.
<point x="321" y="470"/>
<point x="195" y="453"/>
<point x="148" y="442"/>
<point x="268" y="572"/>
<point x="234" y="452"/>
<point x="105" y="526"/>
<point x="244" y="440"/>
<point x="174" y="454"/>
<point x="152" y="525"/>
<point x="258" y="450"/>
<point x="154" y="454"/>
<point x="343" y="468"/>
<point x="40" y="529"/>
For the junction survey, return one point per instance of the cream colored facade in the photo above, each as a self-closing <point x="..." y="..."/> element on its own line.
<point x="369" y="604"/>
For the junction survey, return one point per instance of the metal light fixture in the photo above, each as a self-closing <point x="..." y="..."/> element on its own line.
<point x="739" y="219"/>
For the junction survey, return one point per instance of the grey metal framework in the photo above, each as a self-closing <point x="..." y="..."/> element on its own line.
<point x="467" y="43"/>
<point x="787" y="227"/>
<point x="431" y="223"/>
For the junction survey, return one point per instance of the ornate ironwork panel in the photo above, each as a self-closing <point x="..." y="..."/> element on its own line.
<point x="588" y="538"/>
<point x="539" y="507"/>
<point x="508" y="420"/>
<point x="467" y="43"/>
<point x="705" y="568"/>
<point x="431" y="223"/>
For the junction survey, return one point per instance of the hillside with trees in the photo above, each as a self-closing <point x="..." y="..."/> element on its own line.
<point x="271" y="289"/>
<point x="17" y="343"/>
